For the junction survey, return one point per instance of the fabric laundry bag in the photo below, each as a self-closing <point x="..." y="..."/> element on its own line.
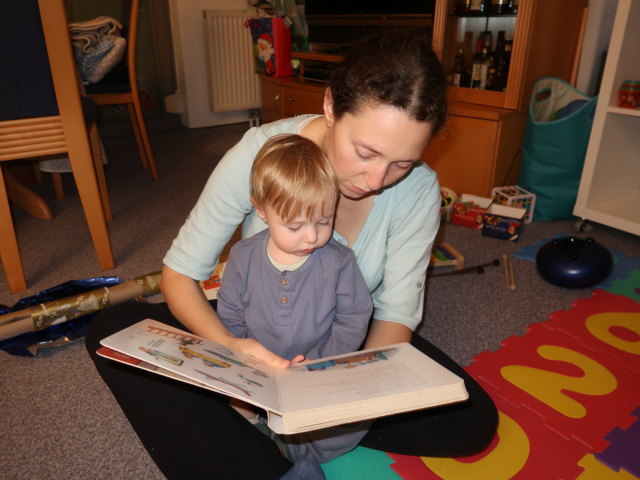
<point x="554" y="146"/>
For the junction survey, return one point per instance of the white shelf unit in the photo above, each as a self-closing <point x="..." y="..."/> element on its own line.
<point x="609" y="190"/>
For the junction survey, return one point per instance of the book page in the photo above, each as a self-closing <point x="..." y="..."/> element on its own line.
<point x="365" y="375"/>
<point x="202" y="361"/>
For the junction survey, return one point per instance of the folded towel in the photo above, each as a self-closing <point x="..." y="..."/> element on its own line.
<point x="98" y="46"/>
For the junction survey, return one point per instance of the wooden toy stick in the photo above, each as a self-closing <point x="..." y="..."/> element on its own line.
<point x="510" y="281"/>
<point x="477" y="268"/>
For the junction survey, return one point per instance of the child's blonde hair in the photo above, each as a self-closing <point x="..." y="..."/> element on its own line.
<point x="292" y="175"/>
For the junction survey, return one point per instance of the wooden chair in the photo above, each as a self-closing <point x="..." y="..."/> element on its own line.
<point x="41" y="114"/>
<point x="120" y="86"/>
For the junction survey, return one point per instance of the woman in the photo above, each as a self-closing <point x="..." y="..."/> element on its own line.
<point x="384" y="103"/>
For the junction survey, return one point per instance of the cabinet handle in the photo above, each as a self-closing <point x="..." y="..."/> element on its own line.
<point x="443" y="134"/>
<point x="290" y="99"/>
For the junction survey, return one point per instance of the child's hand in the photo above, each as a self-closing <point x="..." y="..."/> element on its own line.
<point x="298" y="359"/>
<point x="259" y="351"/>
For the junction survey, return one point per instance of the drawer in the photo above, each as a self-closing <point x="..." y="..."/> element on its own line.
<point x="298" y="102"/>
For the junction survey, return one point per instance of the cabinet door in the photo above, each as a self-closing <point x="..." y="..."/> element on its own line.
<point x="463" y="155"/>
<point x="271" y="103"/>
<point x="298" y="102"/>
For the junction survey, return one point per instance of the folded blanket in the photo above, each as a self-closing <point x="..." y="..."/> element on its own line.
<point x="98" y="46"/>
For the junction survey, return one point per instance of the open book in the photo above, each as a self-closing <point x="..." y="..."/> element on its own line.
<point x="307" y="396"/>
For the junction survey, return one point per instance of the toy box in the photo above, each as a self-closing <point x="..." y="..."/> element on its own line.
<point x="469" y="209"/>
<point x="503" y="222"/>
<point x="515" y="196"/>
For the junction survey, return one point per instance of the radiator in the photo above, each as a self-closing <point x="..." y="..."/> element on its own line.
<point x="233" y="83"/>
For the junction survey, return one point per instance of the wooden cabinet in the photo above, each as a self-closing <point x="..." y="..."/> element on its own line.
<point x="478" y="148"/>
<point x="480" y="143"/>
<point x="609" y="191"/>
<point x="288" y="96"/>
<point x="546" y="35"/>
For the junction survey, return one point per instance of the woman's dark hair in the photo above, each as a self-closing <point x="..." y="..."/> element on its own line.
<point x="395" y="67"/>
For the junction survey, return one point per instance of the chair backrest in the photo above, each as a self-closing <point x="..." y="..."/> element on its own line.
<point x="130" y="24"/>
<point x="43" y="84"/>
<point x="26" y="86"/>
<point x="129" y="19"/>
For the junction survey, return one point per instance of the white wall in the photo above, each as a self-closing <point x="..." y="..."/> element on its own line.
<point x="191" y="99"/>
<point x="596" y="42"/>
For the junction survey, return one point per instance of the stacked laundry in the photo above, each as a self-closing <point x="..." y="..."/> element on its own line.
<point x="98" y="46"/>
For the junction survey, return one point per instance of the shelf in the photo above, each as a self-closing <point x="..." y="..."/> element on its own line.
<point x="298" y="83"/>
<point x="483" y="15"/>
<point x="632" y="112"/>
<point x="609" y="191"/>
<point x="621" y="212"/>
<point x="320" y="57"/>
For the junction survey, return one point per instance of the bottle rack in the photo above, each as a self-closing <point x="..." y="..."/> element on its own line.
<point x="538" y="27"/>
<point x="462" y="31"/>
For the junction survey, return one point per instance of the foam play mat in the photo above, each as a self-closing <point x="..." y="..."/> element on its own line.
<point x="568" y="395"/>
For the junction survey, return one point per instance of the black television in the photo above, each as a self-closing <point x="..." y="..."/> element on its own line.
<point x="369" y="7"/>
<point x="335" y="24"/>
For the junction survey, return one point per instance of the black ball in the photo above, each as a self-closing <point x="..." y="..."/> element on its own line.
<point x="573" y="262"/>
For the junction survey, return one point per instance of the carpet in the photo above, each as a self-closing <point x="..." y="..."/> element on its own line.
<point x="567" y="391"/>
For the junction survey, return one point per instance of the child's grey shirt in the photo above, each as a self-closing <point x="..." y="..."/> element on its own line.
<point x="323" y="308"/>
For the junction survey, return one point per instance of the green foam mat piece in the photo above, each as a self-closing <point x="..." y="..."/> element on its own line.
<point x="361" y="464"/>
<point x="629" y="286"/>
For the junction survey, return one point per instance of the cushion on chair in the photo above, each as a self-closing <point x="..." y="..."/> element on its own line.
<point x="116" y="81"/>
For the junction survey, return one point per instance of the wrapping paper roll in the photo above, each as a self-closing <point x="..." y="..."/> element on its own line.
<point x="39" y="317"/>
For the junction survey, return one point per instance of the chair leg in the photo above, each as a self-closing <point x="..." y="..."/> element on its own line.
<point x="31" y="202"/>
<point x="9" y="251"/>
<point x="139" y="120"/>
<point x="85" y="176"/>
<point x="58" y="188"/>
<point x="98" y="161"/>
<point x="137" y="135"/>
<point x="37" y="173"/>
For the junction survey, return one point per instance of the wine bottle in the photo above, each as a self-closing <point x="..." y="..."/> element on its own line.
<point x="479" y="7"/>
<point x="487" y="42"/>
<point x="500" y="43"/>
<point x="480" y="69"/>
<point x="462" y="7"/>
<point x="497" y="77"/>
<point x="500" y="7"/>
<point x="459" y="73"/>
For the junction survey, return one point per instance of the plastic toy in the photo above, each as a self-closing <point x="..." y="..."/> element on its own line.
<point x="573" y="262"/>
